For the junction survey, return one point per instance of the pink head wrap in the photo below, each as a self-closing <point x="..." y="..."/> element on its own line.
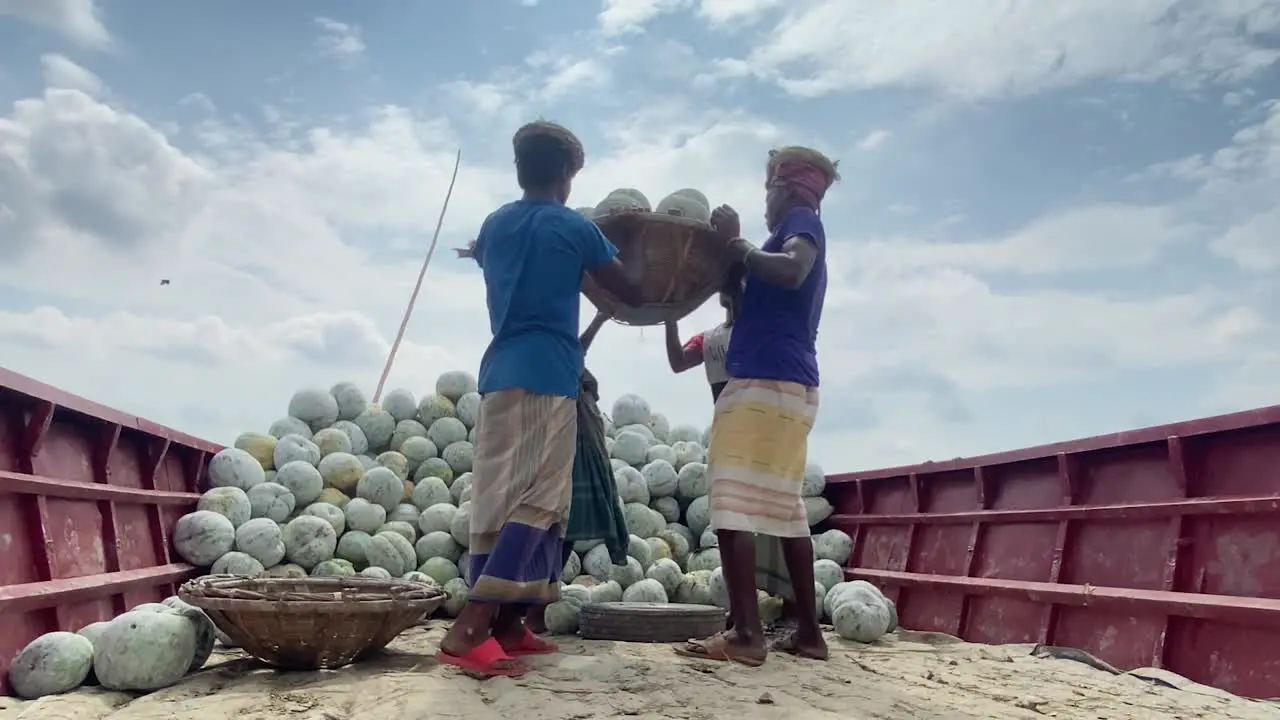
<point x="807" y="183"/>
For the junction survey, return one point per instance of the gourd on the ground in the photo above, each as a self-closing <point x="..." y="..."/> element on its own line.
<point x="317" y="408"/>
<point x="401" y="528"/>
<point x="206" y="632"/>
<point x="144" y="651"/>
<point x="308" y="540"/>
<point x="296" y="447"/>
<point x="52" y="664"/>
<point x="203" y="536"/>
<point x="261" y="446"/>
<point x="606" y="592"/>
<point x="627" y="574"/>
<point x="667" y="573"/>
<point x="377" y="425"/>
<point x="237" y="563"/>
<point x="827" y="573"/>
<point x="859" y="611"/>
<point x="331" y="440"/>
<point x="229" y="502"/>
<point x="303" y="481"/>
<point x="364" y="515"/>
<point x="815" y="481"/>
<point x="381" y="486"/>
<point x="660" y="475"/>
<point x="646" y="590"/>
<point x="271" y="500"/>
<point x="434" y="407"/>
<point x="833" y="545"/>
<point x="233" y="467"/>
<point x="401" y="404"/>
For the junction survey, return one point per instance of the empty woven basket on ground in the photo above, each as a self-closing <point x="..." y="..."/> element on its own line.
<point x="311" y="623"/>
<point x="684" y="265"/>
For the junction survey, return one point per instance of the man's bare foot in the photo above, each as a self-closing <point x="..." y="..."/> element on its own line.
<point x="803" y="645"/>
<point x="726" y="647"/>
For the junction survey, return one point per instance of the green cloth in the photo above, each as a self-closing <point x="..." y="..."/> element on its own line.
<point x="772" y="575"/>
<point x="595" y="512"/>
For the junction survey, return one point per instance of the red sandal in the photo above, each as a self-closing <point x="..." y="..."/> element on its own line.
<point x="487" y="659"/>
<point x="530" y="644"/>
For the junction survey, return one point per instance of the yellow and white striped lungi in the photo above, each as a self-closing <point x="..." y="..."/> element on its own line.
<point x="759" y="444"/>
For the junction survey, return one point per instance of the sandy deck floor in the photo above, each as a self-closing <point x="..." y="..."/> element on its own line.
<point x="905" y="676"/>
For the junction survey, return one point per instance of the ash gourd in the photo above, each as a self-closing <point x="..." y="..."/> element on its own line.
<point x="339" y="486"/>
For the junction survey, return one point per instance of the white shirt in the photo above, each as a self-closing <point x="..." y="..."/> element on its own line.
<point x="715" y="345"/>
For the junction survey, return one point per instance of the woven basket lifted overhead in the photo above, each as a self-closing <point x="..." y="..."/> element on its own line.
<point x="684" y="265"/>
<point x="311" y="623"/>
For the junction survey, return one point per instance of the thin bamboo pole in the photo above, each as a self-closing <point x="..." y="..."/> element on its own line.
<point x="413" y="299"/>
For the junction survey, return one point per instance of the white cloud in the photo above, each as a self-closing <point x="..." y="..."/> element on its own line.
<point x="1080" y="239"/>
<point x="1253" y="244"/>
<point x="79" y="20"/>
<point x="60" y="72"/>
<point x="75" y="172"/>
<point x="619" y="17"/>
<point x="511" y="94"/>
<point x="199" y="101"/>
<point x="977" y="49"/>
<point x="1238" y="184"/>
<point x="874" y="139"/>
<point x="725" y="12"/>
<point x="339" y="39"/>
<point x="565" y="75"/>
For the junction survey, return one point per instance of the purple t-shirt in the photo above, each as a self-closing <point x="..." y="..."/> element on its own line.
<point x="775" y="335"/>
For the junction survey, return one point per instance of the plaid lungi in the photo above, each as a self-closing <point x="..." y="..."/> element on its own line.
<point x="595" y="512"/>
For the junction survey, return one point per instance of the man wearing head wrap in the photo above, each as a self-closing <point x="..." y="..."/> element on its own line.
<point x="533" y="253"/>
<point x="760" y="431"/>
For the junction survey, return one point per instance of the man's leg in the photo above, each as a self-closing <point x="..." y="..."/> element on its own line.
<point x="473" y="626"/>
<point x="738" y="563"/>
<point x="535" y="616"/>
<point x="798" y="554"/>
<point x="508" y="623"/>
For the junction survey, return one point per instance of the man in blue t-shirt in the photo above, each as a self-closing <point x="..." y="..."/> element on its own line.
<point x="533" y="253"/>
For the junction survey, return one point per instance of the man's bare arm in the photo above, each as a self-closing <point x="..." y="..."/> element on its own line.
<point x="589" y="335"/>
<point x="681" y="358"/>
<point x="467" y="252"/>
<point x="789" y="268"/>
<point x="622" y="281"/>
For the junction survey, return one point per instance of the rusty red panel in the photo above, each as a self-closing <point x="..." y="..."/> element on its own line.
<point x="1158" y="546"/>
<point x="87" y="497"/>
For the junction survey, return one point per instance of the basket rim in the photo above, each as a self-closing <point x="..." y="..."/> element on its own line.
<point x="318" y="595"/>
<point x="309" y="607"/>
<point x="650" y="216"/>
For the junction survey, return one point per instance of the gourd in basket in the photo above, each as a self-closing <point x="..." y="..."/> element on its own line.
<point x="684" y="264"/>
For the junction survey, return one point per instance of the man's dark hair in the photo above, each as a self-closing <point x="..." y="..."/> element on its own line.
<point x="542" y="161"/>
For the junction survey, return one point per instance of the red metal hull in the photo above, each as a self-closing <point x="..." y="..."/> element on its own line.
<point x="87" y="498"/>
<point x="1154" y="547"/>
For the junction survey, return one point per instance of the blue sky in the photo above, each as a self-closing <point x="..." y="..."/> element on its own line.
<point x="1055" y="219"/>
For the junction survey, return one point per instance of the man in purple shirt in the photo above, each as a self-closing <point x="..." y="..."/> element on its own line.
<point x="759" y="435"/>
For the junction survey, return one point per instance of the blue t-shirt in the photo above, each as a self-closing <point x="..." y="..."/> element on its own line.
<point x="533" y="255"/>
<point x="776" y="331"/>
